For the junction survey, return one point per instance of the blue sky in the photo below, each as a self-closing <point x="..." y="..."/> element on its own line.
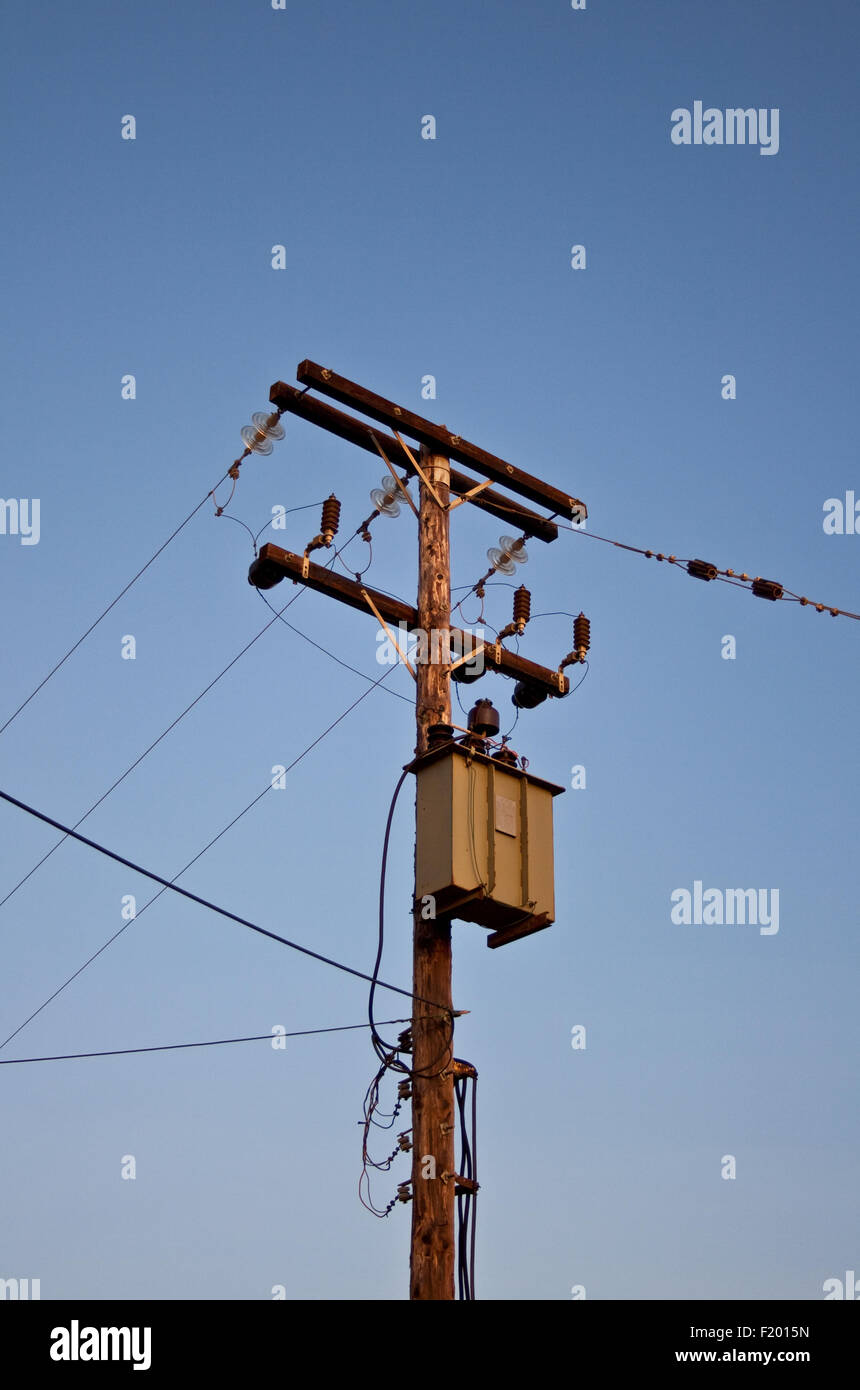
<point x="404" y="257"/>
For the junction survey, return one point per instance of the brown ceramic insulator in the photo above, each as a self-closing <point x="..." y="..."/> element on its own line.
<point x="522" y="605"/>
<point x="330" y="516"/>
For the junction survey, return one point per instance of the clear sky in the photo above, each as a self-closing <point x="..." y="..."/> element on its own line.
<point x="600" y="1167"/>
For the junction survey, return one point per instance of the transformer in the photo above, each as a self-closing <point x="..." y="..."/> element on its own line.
<point x="484" y="848"/>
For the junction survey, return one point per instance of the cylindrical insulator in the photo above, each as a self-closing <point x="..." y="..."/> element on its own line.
<point x="522" y="605"/>
<point x="702" y="569"/>
<point x="767" y="588"/>
<point x="484" y="719"/>
<point x="330" y="516"/>
<point x="581" y="634"/>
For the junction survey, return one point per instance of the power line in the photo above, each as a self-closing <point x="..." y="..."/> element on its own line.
<point x="112" y="604"/>
<point x="178" y="718"/>
<point x="150" y="749"/>
<point x="702" y="569"/>
<point x="199" y="855"/>
<point x="306" y="507"/>
<point x="204" y="902"/>
<point x="325" y="650"/>
<point x="111" y="939"/>
<point x="221" y="512"/>
<point x="174" y="1047"/>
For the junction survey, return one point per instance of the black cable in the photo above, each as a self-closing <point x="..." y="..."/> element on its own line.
<point x="225" y="516"/>
<point x="111" y="605"/>
<point x="381" y="1047"/>
<point x="199" y="855"/>
<point x="475" y="1176"/>
<point x="467" y="1197"/>
<point x="389" y="1050"/>
<point x="213" y="907"/>
<point x="325" y="650"/>
<point x="491" y="584"/>
<point x="582" y="678"/>
<point x="111" y="939"/>
<point x="176" y="721"/>
<point x="148" y="750"/>
<point x="388" y="1053"/>
<point x="467" y="1152"/>
<point x="186" y="867"/>
<point x="514" y="725"/>
<point x="462" y="1197"/>
<point x="371" y="1102"/>
<point x="174" y="1047"/>
<point x="306" y="507"/>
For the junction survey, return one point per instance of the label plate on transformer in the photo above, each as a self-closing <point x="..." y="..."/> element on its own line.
<point x="506" y="815"/>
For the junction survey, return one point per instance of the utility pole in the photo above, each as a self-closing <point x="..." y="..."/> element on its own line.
<point x="432" y="1072"/>
<point x="432" y="1258"/>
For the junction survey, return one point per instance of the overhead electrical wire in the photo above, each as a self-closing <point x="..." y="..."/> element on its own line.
<point x="226" y="516"/>
<point x="186" y="867"/>
<point x="305" y="507"/>
<point x="92" y="627"/>
<point x="175" y="1047"/>
<point x="388" y="1052"/>
<point x="139" y="913"/>
<point x="340" y="662"/>
<point x="700" y="569"/>
<point x="170" y="727"/>
<point x="214" y="907"/>
<point x="69" y="980"/>
<point x="131" y="768"/>
<point x="221" y="512"/>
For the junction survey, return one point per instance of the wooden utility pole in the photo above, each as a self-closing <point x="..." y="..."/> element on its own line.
<point x="433" y="1164"/>
<point x="441" y="489"/>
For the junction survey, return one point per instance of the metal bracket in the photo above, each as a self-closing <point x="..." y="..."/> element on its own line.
<point x="463" y="1184"/>
<point x="392" y="470"/>
<point x="470" y="656"/>
<point x="467" y="496"/>
<point x="421" y="474"/>
<point x="525" y="927"/>
<point x="392" y="639"/>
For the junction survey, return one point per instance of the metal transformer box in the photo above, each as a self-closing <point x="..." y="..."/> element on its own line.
<point x="484" y="841"/>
